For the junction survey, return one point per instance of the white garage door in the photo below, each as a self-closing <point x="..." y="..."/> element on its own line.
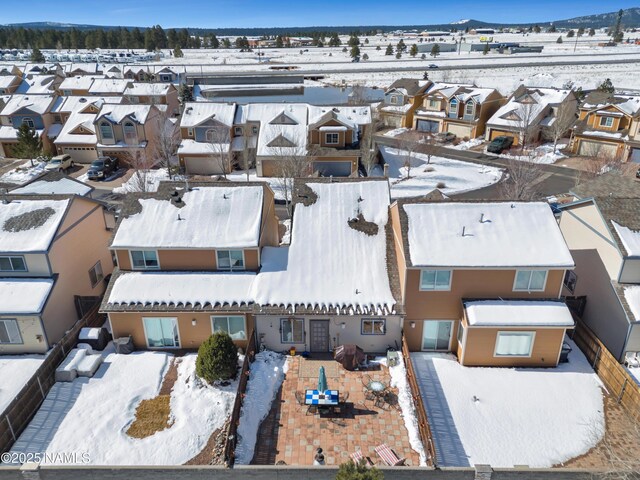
<point x="591" y="149"/>
<point x="202" y="166"/>
<point x="82" y="154"/>
<point x="635" y="155"/>
<point x="335" y="169"/>
<point x="459" y="131"/>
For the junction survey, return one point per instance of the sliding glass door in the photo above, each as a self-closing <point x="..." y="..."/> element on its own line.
<point x="161" y="332"/>
<point x="436" y="334"/>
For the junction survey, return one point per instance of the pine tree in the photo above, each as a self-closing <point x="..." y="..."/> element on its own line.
<point x="552" y="29"/>
<point x="215" y="43"/>
<point x="435" y="50"/>
<point x="378" y="48"/>
<point x="559" y="40"/>
<point x="355" y="51"/>
<point x="606" y="86"/>
<point x="177" y="52"/>
<point x="335" y="41"/>
<point x="365" y="57"/>
<point x="537" y="29"/>
<point x="592" y="32"/>
<point x="414" y="50"/>
<point x="36" y="55"/>
<point x="389" y="50"/>
<point x="279" y="41"/>
<point x="398" y="54"/>
<point x="366" y="41"/>
<point x="29" y="143"/>
<point x="486" y="49"/>
<point x="354" y="41"/>
<point x="570" y="34"/>
<point x="581" y="31"/>
<point x="401" y="47"/>
<point x="617" y="33"/>
<point x="185" y="93"/>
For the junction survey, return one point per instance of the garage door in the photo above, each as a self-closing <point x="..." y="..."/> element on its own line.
<point x="393" y="121"/>
<point x="82" y="154"/>
<point x="202" y="166"/>
<point x="428" y="126"/>
<point x="502" y="133"/>
<point x="591" y="149"/>
<point x="336" y="169"/>
<point x="459" y="131"/>
<point x="635" y="155"/>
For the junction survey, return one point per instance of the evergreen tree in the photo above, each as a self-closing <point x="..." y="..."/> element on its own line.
<point x="435" y="50"/>
<point x="570" y="34"/>
<point x="552" y="29"/>
<point x="559" y="40"/>
<point x="354" y="41"/>
<point x="37" y="56"/>
<point x="366" y="41"/>
<point x="226" y="43"/>
<point x="401" y="47"/>
<point x="177" y="52"/>
<point x="378" y="48"/>
<point x="592" y="32"/>
<point x="279" y="41"/>
<point x="606" y="86"/>
<point x="398" y="54"/>
<point x="335" y="41"/>
<point x="360" y="471"/>
<point x="389" y="50"/>
<point x="616" y="32"/>
<point x="29" y="143"/>
<point x="423" y="56"/>
<point x="537" y="29"/>
<point x="355" y="51"/>
<point x="581" y="31"/>
<point x="414" y="50"/>
<point x="365" y="57"/>
<point x="486" y="49"/>
<point x="214" y="42"/>
<point x="185" y="93"/>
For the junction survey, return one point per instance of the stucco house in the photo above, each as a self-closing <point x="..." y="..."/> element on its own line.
<point x="54" y="258"/>
<point x="153" y="94"/>
<point x="401" y="100"/>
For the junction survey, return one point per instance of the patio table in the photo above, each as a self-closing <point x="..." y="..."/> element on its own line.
<point x="377" y="386"/>
<point x="329" y="398"/>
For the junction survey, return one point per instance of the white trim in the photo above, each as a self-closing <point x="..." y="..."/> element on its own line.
<point x="143" y="250"/>
<point x="231" y="269"/>
<point x="326" y="138"/>
<point x="24" y="261"/>
<point x="14" y="320"/>
<point x="564" y="273"/>
<point x="529" y="290"/>
<point x="448" y="289"/>
<point x="448" y="349"/>
<point x="244" y="317"/>
<point x="533" y="341"/>
<point x="146" y="337"/>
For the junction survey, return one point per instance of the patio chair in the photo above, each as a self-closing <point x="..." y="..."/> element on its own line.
<point x="311" y="409"/>
<point x="358" y="458"/>
<point x="388" y="456"/>
<point x="344" y="397"/>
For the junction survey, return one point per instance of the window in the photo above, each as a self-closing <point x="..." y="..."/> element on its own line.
<point x="28" y="121"/>
<point x="393" y="99"/>
<point x="95" y="274"/>
<point x="332" y="138"/>
<point x="453" y="104"/>
<point x="460" y="335"/>
<point x="254" y="129"/>
<point x="67" y="93"/>
<point x="433" y="103"/>
<point x="570" y="280"/>
<point x="210" y="135"/>
<point x="9" y="331"/>
<point x="514" y="344"/>
<point x="373" y="326"/>
<point x="130" y="133"/>
<point x="238" y="131"/>
<point x="106" y="132"/>
<point x="190" y="132"/>
<point x="12" y="264"/>
<point x="530" y="280"/>
<point x="161" y="332"/>
<point x="234" y="326"/>
<point x="292" y="330"/>
<point x="606" y="122"/>
<point x="469" y="109"/>
<point x="144" y="260"/>
<point x="435" y="280"/>
<point x="230" y="259"/>
<point x="436" y="334"/>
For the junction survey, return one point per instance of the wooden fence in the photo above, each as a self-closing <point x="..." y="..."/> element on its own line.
<point x="21" y="410"/>
<point x="423" y="421"/>
<point x="614" y="376"/>
<point x="232" y="433"/>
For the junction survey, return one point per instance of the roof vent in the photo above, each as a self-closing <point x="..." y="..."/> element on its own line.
<point x="224" y="195"/>
<point x="5" y="198"/>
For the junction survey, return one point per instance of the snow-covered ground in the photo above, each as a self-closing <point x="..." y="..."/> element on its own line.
<point x="510" y="416"/>
<point x="266" y="376"/>
<point x="25" y="172"/>
<point x="395" y="132"/>
<point x="92" y="415"/>
<point x="275" y="183"/>
<point x="544" y="154"/>
<point x="474" y="142"/>
<point x="15" y="372"/>
<point x="143" y="181"/>
<point x="456" y="176"/>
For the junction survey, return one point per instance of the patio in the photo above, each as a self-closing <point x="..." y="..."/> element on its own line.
<point x="290" y="435"/>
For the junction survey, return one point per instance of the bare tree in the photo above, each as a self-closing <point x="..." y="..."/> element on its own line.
<point x="619" y="464"/>
<point x="368" y="150"/>
<point x="167" y="141"/>
<point x="293" y="160"/>
<point x="358" y="95"/>
<point x="141" y="163"/>
<point x="564" y="119"/>
<point x="522" y="180"/>
<point x="525" y="124"/>
<point x="247" y="154"/>
<point x="408" y="148"/>
<point x="220" y="145"/>
<point x="601" y="161"/>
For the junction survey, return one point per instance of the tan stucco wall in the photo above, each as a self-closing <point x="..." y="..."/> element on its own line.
<point x="397" y="239"/>
<point x="197" y="260"/>
<point x="30" y="328"/>
<point x="124" y="324"/>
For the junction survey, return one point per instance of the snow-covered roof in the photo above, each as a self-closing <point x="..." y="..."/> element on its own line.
<point x="181" y="289"/>
<point x="207" y="217"/>
<point x="629" y="238"/>
<point x="148" y="89"/>
<point x="518" y="313"/>
<point x="632" y="296"/>
<point x="283" y="128"/>
<point x="78" y="103"/>
<point x="29" y="225"/>
<point x="7" y="80"/>
<point x="109" y="86"/>
<point x="80" y="82"/>
<point x="39" y="104"/>
<point x="57" y="184"/>
<point x="191" y="147"/>
<point x="331" y="262"/>
<point x="539" y="100"/>
<point x="24" y="296"/>
<point x="461" y="91"/>
<point x="352" y="116"/>
<point x="117" y="113"/>
<point x="74" y="122"/>
<point x="37" y="85"/>
<point x="501" y="234"/>
<point x="196" y="113"/>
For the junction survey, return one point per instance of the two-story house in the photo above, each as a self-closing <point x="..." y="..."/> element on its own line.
<point x="76" y="69"/>
<point x="207" y="134"/>
<point x="401" y="100"/>
<point x="482" y="280"/>
<point x="153" y="94"/>
<point x="336" y="282"/>
<point x="128" y="132"/>
<point x="9" y="84"/>
<point x="459" y="109"/>
<point x="40" y="84"/>
<point x="609" y="125"/>
<point x="53" y="256"/>
<point x="78" y="85"/>
<point x="109" y="87"/>
<point x="529" y="113"/>
<point x="187" y="259"/>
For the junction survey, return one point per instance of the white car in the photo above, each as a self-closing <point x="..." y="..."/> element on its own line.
<point x="59" y="164"/>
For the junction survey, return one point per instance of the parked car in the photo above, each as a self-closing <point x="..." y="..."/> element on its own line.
<point x="432" y="65"/>
<point x="499" y="144"/>
<point x="102" y="168"/>
<point x="638" y="173"/>
<point x="59" y="164"/>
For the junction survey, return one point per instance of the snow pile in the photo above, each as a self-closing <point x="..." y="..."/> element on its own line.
<point x="505" y="417"/>
<point x="103" y="407"/>
<point x="396" y="132"/>
<point x="142" y="181"/>
<point x="15" y="372"/>
<point x="266" y="376"/>
<point x="24" y="173"/>
<point x="632" y="296"/>
<point x="274" y="182"/>
<point x="449" y="176"/>
<point x="544" y="154"/>
<point x="474" y="142"/>
<point x="286" y="237"/>
<point x="630" y="239"/>
<point x="517" y="313"/>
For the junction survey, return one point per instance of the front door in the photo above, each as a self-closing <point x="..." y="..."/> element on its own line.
<point x="436" y="334"/>
<point x="319" y="335"/>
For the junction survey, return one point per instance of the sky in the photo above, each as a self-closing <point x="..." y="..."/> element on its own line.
<point x="302" y="13"/>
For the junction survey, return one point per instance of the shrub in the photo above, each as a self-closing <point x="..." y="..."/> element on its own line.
<point x="351" y="471"/>
<point x="217" y="358"/>
<point x="441" y="185"/>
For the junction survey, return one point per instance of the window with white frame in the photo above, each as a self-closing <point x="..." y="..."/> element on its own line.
<point x="254" y="129"/>
<point x="9" y="331"/>
<point x="332" y="138"/>
<point x="373" y="326"/>
<point x="514" y="344"/>
<point x="238" y="131"/>
<point x="393" y="99"/>
<point x="106" y="131"/>
<point x="130" y="133"/>
<point x="230" y="259"/>
<point x="235" y="326"/>
<point x="13" y="264"/>
<point x="530" y="280"/>
<point x="469" y="109"/>
<point x="144" y="260"/>
<point x="161" y="332"/>
<point x="95" y="274"/>
<point x="453" y="104"/>
<point x="606" y="122"/>
<point x="435" y="280"/>
<point x="434" y="103"/>
<point x="28" y="121"/>
<point x="190" y="132"/>
<point x="292" y="330"/>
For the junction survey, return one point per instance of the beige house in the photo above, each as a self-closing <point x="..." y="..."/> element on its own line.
<point x="78" y="85"/>
<point x="9" y="84"/>
<point x="187" y="260"/>
<point x="401" y="100"/>
<point x="53" y="260"/>
<point x="153" y="94"/>
<point x="482" y="280"/>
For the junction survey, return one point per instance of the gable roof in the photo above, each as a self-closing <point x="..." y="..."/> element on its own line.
<point x="351" y="116"/>
<point x="409" y="86"/>
<point x="623" y="219"/>
<point x="55" y="183"/>
<point x="196" y="113"/>
<point x="610" y="185"/>
<point x="68" y="134"/>
<point x="109" y="85"/>
<point x="79" y="82"/>
<point x="39" y="104"/>
<point x="540" y="99"/>
<point x="118" y="113"/>
<point x="148" y="89"/>
<point x="627" y="104"/>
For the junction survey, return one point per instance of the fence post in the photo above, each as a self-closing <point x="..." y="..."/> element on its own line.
<point x="595" y="359"/>
<point x="624" y="386"/>
<point x="41" y="389"/>
<point x="13" y="434"/>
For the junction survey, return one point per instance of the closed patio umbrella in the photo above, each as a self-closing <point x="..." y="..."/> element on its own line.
<point x="322" y="380"/>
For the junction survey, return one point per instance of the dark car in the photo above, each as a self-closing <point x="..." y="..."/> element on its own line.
<point x="102" y="168"/>
<point x="638" y="173"/>
<point x="499" y="144"/>
<point x="432" y="66"/>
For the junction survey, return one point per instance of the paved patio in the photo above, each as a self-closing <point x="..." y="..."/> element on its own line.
<point x="291" y="436"/>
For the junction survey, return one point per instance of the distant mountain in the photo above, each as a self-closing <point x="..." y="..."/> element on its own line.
<point x="630" y="19"/>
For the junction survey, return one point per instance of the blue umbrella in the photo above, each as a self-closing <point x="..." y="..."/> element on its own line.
<point x="322" y="380"/>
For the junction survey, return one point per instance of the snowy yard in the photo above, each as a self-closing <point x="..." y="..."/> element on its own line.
<point x="15" y="372"/>
<point x="24" y="173"/>
<point x="274" y="183"/>
<point x="450" y="176"/>
<point x="92" y="415"/>
<point x="544" y="154"/>
<point x="505" y="417"/>
<point x="143" y="181"/>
